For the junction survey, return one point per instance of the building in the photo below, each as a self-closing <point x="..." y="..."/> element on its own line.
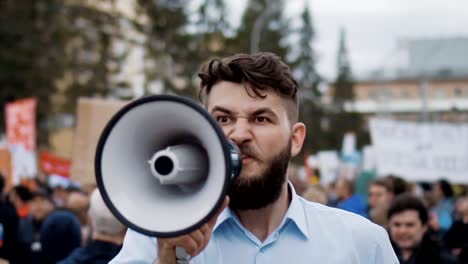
<point x="432" y="86"/>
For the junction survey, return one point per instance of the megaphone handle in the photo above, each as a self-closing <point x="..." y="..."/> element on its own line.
<point x="182" y="256"/>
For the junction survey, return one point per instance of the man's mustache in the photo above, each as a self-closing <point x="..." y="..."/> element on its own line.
<point x="247" y="150"/>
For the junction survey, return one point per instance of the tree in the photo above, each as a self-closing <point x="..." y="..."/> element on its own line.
<point x="31" y="52"/>
<point x="304" y="70"/>
<point x="345" y="119"/>
<point x="165" y="44"/>
<point x="263" y="21"/>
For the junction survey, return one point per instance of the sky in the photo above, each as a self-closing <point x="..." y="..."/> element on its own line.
<point x="375" y="29"/>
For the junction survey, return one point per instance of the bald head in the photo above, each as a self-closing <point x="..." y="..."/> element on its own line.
<point x="103" y="221"/>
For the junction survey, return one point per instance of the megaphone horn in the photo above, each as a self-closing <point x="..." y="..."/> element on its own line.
<point x="163" y="165"/>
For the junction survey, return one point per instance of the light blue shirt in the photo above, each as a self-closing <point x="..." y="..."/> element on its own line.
<point x="309" y="233"/>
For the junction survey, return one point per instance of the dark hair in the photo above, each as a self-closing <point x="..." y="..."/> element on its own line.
<point x="446" y="188"/>
<point x="386" y="183"/>
<point x="262" y="71"/>
<point x="399" y="185"/>
<point x="23" y="193"/>
<point x="406" y="202"/>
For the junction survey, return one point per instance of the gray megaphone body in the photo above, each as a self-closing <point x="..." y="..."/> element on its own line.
<point x="163" y="165"/>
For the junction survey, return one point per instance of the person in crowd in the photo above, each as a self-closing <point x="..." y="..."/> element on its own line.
<point x="78" y="203"/>
<point x="408" y="223"/>
<point x="380" y="196"/>
<point x="9" y="222"/>
<point x="444" y="207"/>
<point x="399" y="185"/>
<point x="253" y="97"/>
<point x="107" y="237"/>
<point x="316" y="194"/>
<point x="20" y="196"/>
<point x="29" y="246"/>
<point x="348" y="200"/>
<point x="456" y="238"/>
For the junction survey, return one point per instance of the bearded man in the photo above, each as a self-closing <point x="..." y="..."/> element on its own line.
<point x="254" y="100"/>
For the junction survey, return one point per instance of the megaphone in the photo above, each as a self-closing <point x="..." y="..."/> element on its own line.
<point x="163" y="165"/>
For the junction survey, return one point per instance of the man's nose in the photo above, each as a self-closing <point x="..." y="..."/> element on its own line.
<point x="241" y="132"/>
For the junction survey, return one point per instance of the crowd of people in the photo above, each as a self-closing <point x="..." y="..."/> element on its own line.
<point x="51" y="224"/>
<point x="427" y="223"/>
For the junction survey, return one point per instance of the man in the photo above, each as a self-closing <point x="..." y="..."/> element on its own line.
<point x="78" y="203"/>
<point x="254" y="99"/>
<point x="456" y="238"/>
<point x="408" y="222"/>
<point x="107" y="237"/>
<point x="348" y="200"/>
<point x="379" y="199"/>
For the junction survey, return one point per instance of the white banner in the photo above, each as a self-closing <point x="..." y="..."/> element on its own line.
<point x="421" y="152"/>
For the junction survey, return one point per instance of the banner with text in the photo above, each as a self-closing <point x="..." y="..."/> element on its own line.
<point x="20" y="119"/>
<point x="421" y="152"/>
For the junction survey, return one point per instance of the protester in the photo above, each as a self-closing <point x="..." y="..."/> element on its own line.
<point x="380" y="196"/>
<point x="9" y="222"/>
<point x="60" y="235"/>
<point x="107" y="237"/>
<point x="254" y="100"/>
<point x="78" y="203"/>
<point x="316" y="194"/>
<point x="348" y="200"/>
<point x="408" y="223"/>
<point x="444" y="207"/>
<point x="456" y="238"/>
<point x="20" y="196"/>
<point x="29" y="249"/>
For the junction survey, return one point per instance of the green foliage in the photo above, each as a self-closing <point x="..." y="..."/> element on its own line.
<point x="31" y="53"/>
<point x="344" y="121"/>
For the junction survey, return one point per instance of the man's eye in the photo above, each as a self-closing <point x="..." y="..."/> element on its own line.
<point x="223" y="119"/>
<point x="262" y="119"/>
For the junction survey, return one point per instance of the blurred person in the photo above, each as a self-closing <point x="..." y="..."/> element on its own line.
<point x="347" y="199"/>
<point x="408" y="223"/>
<point x="59" y="186"/>
<point x="380" y="193"/>
<point x="78" y="203"/>
<point x="29" y="247"/>
<point x="299" y="184"/>
<point x="444" y="205"/>
<point x="316" y="194"/>
<point x="107" y="237"/>
<point x="20" y="196"/>
<point x="399" y="185"/>
<point x="456" y="238"/>
<point x="253" y="97"/>
<point x="9" y="222"/>
<point x="380" y="196"/>
<point x="60" y="234"/>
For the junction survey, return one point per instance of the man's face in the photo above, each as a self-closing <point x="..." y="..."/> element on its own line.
<point x="40" y="208"/>
<point x="264" y="135"/>
<point x="379" y="196"/>
<point x="406" y="229"/>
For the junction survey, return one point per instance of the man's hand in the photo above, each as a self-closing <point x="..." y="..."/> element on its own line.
<point x="193" y="243"/>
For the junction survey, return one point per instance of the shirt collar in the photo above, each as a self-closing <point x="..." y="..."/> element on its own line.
<point x="295" y="214"/>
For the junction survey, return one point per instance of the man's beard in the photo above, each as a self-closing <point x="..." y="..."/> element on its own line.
<point x="262" y="190"/>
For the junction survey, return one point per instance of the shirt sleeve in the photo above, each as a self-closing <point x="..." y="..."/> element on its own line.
<point x="383" y="252"/>
<point x="137" y="249"/>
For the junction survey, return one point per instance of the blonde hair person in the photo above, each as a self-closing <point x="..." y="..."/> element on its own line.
<point x="107" y="235"/>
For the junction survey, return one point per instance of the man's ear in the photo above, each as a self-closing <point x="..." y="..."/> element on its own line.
<point x="298" y="133"/>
